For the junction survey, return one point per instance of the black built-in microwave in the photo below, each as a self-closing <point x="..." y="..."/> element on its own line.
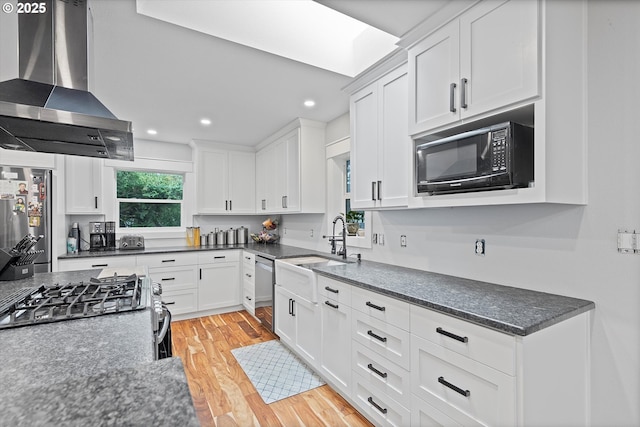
<point x="491" y="158"/>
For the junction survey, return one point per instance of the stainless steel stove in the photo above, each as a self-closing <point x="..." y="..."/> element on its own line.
<point x="97" y="297"/>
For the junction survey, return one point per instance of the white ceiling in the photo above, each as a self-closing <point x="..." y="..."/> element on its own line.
<point x="167" y="77"/>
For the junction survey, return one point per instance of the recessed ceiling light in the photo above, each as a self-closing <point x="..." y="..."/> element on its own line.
<point x="309" y="103"/>
<point x="152" y="131"/>
<point x="205" y="122"/>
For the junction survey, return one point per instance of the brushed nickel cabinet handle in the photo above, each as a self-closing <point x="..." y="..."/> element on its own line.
<point x="452" y="101"/>
<point x="463" y="93"/>
<point x="455" y="388"/>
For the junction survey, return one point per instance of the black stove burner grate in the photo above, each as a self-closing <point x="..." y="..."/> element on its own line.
<point x="72" y="300"/>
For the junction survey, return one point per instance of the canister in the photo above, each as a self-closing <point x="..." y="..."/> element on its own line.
<point x="203" y="240"/>
<point x="231" y="236"/>
<point x="221" y="238"/>
<point x="242" y="235"/>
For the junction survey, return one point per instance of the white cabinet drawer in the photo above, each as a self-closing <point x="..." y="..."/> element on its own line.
<point x="249" y="259"/>
<point x="334" y="290"/>
<point x="381" y="307"/>
<point x="167" y="260"/>
<point x="479" y="343"/>
<point x="214" y="257"/>
<point x="96" y="262"/>
<point x="447" y="380"/>
<point x="383" y="375"/>
<point x="377" y="406"/>
<point x="181" y="301"/>
<point x="425" y="415"/>
<point x="383" y="338"/>
<point x="175" y="278"/>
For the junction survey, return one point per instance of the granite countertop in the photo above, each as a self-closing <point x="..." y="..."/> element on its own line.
<point x="507" y="309"/>
<point x="271" y="251"/>
<point x="69" y="372"/>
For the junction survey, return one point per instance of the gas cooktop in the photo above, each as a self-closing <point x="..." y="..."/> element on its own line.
<point x="51" y="303"/>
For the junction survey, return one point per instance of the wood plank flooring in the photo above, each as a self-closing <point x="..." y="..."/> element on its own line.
<point x="222" y="394"/>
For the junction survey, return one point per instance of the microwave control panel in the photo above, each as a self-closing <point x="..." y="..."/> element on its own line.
<point x="499" y="150"/>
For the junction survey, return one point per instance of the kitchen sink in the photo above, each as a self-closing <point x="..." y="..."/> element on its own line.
<point x="296" y="275"/>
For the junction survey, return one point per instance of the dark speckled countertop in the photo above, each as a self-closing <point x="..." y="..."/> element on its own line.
<point x="94" y="371"/>
<point x="507" y="309"/>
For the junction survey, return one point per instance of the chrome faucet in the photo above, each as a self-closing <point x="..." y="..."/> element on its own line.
<point x="343" y="250"/>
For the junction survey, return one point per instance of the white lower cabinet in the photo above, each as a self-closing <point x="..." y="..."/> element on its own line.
<point x="297" y="323"/>
<point x="335" y="345"/>
<point x="218" y="280"/>
<point x="249" y="282"/>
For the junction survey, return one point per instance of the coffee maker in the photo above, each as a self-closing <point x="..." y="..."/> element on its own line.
<point x="102" y="236"/>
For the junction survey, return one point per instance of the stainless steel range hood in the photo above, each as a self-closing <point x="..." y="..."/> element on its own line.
<point x="48" y="108"/>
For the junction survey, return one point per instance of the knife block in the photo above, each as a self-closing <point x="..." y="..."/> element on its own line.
<point x="12" y="267"/>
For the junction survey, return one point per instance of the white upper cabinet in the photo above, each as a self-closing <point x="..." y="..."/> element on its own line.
<point x="380" y="152"/>
<point x="289" y="174"/>
<point x="485" y="60"/>
<point x="83" y="185"/>
<point x="225" y="181"/>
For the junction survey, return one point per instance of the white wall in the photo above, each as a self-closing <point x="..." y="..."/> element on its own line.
<point x="568" y="250"/>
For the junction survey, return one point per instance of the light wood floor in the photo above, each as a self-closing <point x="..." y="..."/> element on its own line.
<point x="223" y="395"/>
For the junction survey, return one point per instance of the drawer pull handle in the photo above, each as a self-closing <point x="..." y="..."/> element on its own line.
<point x="168" y="278"/>
<point x="378" y="337"/>
<point x="219" y="257"/>
<point x="375" y="405"/>
<point x="247" y="274"/>
<point x="457" y="389"/>
<point x="248" y="298"/>
<point x="168" y="260"/>
<point x="450" y="335"/>
<point x="335" y="291"/>
<point x="374" y="370"/>
<point x="170" y="303"/>
<point x="377" y="307"/>
<point x="331" y="305"/>
<point x="100" y="265"/>
<point x="248" y="258"/>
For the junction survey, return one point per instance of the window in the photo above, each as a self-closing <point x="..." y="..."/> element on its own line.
<point x="149" y="199"/>
<point x="347" y="195"/>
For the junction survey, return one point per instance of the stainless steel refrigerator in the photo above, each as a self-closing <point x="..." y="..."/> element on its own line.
<point x="25" y="208"/>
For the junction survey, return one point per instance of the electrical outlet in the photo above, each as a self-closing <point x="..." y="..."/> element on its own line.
<point x="311" y="234"/>
<point x="480" y="247"/>
<point x="374" y="238"/>
<point x="381" y="239"/>
<point x="403" y="241"/>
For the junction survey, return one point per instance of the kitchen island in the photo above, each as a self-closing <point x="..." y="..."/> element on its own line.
<point x="91" y="371"/>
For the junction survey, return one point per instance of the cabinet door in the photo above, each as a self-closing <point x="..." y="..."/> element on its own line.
<point x="284" y="322"/>
<point x="394" y="155"/>
<point x="434" y="67"/>
<point x="83" y="183"/>
<point x="212" y="181"/>
<point x="264" y="180"/>
<point x="219" y="286"/>
<point x="364" y="149"/>
<point x="335" y="346"/>
<point x="499" y="54"/>
<point x="307" y="330"/>
<point x="292" y="189"/>
<point x="242" y="180"/>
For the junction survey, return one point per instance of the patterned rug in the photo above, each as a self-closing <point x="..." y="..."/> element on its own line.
<point x="274" y="371"/>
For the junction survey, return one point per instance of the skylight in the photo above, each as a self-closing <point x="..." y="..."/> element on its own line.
<point x="302" y="30"/>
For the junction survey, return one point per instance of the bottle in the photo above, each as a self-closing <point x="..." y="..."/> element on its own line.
<point x="75" y="233"/>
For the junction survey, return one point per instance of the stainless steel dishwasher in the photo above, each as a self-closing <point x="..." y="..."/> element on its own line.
<point x="265" y="282"/>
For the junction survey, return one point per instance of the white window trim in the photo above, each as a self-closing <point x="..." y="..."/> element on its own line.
<point x="335" y="152"/>
<point x="152" y="165"/>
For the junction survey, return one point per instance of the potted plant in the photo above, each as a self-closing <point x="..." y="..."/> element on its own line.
<point x="353" y="219"/>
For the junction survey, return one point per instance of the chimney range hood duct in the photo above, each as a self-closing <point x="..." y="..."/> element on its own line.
<point x="48" y="108"/>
